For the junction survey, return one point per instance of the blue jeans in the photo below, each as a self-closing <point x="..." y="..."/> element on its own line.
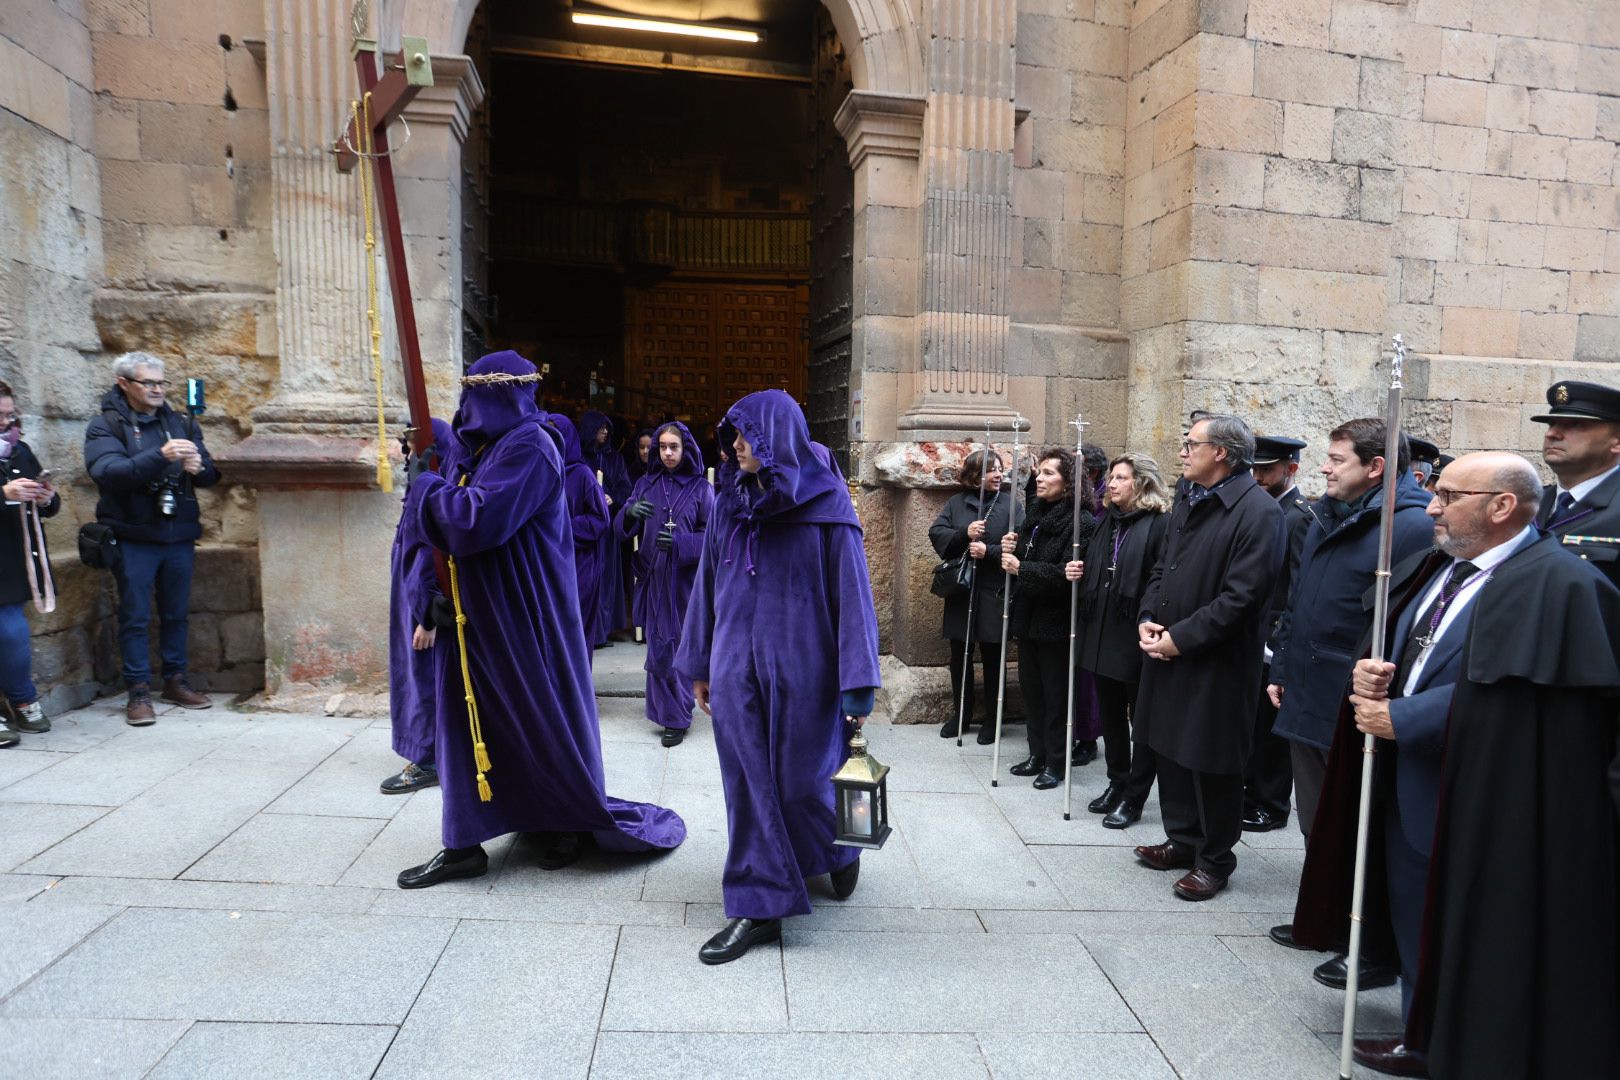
<point x="168" y="566"/>
<point x="16" y="659"/>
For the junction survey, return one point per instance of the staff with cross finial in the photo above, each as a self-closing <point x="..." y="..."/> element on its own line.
<point x="1381" y="582"/>
<point x="973" y="592"/>
<point x="1006" y="593"/>
<point x="1079" y="424"/>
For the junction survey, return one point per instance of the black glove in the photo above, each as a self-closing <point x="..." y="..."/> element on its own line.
<point x="443" y="613"/>
<point x="641" y="509"/>
<point x="417" y="464"/>
<point x="666" y="539"/>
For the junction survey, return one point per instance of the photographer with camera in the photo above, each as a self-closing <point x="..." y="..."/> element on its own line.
<point x="147" y="460"/>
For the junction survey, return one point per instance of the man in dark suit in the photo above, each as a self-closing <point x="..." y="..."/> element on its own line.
<point x="1582" y="448"/>
<point x="1269" y="780"/>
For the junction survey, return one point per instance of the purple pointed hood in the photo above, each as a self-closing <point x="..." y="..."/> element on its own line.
<point x="691" y="466"/>
<point x="796" y="482"/>
<point x="490" y="411"/>
<point x="590" y="422"/>
<point x="570" y="439"/>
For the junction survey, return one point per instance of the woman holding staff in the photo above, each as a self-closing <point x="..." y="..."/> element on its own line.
<point x="668" y="511"/>
<point x="971" y="522"/>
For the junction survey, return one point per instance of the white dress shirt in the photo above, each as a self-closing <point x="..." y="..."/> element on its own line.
<point x="1487" y="562"/>
<point x="1585" y="487"/>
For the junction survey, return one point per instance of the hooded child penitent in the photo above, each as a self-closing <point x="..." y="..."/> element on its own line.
<point x="591" y="522"/>
<point x="410" y="603"/>
<point x="603" y="459"/>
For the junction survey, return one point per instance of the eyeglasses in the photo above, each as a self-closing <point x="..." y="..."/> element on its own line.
<point x="1447" y="496"/>
<point x="9" y="418"/>
<point x="150" y="384"/>
<point x="1188" y="444"/>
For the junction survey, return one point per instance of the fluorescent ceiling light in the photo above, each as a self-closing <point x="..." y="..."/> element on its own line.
<point x="659" y="26"/>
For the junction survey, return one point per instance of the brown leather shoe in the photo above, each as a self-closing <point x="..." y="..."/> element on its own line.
<point x="1166" y="856"/>
<point x="138" y="713"/>
<point x="1389" y="1056"/>
<point x="175" y="690"/>
<point x="1200" y="884"/>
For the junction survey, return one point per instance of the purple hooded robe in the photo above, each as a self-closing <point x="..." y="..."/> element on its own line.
<point x="780" y="625"/>
<point x="606" y="460"/>
<point x="590" y="521"/>
<point x="664" y="578"/>
<point x="512" y="545"/>
<point x="410" y="673"/>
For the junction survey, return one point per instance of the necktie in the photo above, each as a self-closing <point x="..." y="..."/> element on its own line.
<point x="1561" y="509"/>
<point x="1421" y="632"/>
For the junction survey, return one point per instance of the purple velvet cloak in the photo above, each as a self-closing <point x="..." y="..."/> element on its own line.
<point x="511" y="541"/>
<point x="591" y="523"/>
<point x="779" y="625"/>
<point x="664" y="578"/>
<point x="413" y="586"/>
<point x="609" y="462"/>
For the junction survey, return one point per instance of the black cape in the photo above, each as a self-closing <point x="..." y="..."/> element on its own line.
<point x="1520" y="974"/>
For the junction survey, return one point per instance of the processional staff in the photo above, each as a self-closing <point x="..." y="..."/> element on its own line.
<point x="1006" y="593"/>
<point x="1079" y="474"/>
<point x="973" y="592"/>
<point x="1386" y="544"/>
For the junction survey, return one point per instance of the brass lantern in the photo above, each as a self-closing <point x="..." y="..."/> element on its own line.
<point x="862" y="791"/>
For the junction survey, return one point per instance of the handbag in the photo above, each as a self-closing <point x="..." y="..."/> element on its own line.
<point x="953" y="577"/>
<point x="98" y="546"/>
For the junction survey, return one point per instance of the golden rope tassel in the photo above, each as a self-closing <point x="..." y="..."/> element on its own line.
<point x="474" y="724"/>
<point x="385" y="471"/>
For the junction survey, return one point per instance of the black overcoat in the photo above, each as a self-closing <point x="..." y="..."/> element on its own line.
<point x="1040" y="599"/>
<point x="1109" y="602"/>
<point x="949" y="536"/>
<point x="1211" y="590"/>
<point x="13" y="545"/>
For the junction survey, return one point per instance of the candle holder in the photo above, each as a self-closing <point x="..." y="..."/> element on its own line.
<point x="862" y="790"/>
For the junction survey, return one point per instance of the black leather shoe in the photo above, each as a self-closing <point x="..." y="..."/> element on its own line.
<point x="1284" y="936"/>
<point x="412" y="777"/>
<point x="561" y="849"/>
<point x="987" y="734"/>
<point x="1030" y="766"/>
<point x="1107" y="801"/>
<point x="1262" y="820"/>
<point x="673" y="736"/>
<point x="1388" y="1056"/>
<point x="947" y="730"/>
<point x="1123" y="815"/>
<point x="1048" y="778"/>
<point x="1336" y="973"/>
<point x="444" y="867"/>
<point x="737" y="938"/>
<point x="843" y="881"/>
<point x="1083" y="753"/>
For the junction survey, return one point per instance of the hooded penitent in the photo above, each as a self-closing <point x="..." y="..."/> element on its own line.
<point x="496" y="508"/>
<point x="780" y="624"/>
<point x="410" y="672"/>
<point x="590" y="518"/>
<point x="602" y="459"/>
<point x="682" y="504"/>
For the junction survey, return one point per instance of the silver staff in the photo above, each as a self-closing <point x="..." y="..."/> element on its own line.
<point x="1386" y="543"/>
<point x="1006" y="594"/>
<point x="973" y="592"/>
<point x="1079" y="425"/>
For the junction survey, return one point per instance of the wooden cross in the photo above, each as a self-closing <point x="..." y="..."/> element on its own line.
<point x="406" y="73"/>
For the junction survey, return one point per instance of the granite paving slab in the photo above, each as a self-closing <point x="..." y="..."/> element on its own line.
<point x="634" y="770"/>
<point x="508" y="999"/>
<point x="215" y="895"/>
<point x="21" y="761"/>
<point x="114" y="772"/>
<point x="970" y="857"/>
<point x="411" y="838"/>
<point x="290" y="849"/>
<point x="1015" y="983"/>
<point x="658" y="985"/>
<point x="27" y="829"/>
<point x="850" y="917"/>
<point x="160" y="964"/>
<point x="1288" y="974"/>
<point x="36" y="934"/>
<point x="231" y="1051"/>
<point x="345" y="784"/>
<point x="437" y="903"/>
<point x="1038" y="815"/>
<point x="84" y="728"/>
<point x="597" y="875"/>
<point x="85" y="1049"/>
<point x="625" y="1055"/>
<point x="1201" y="919"/>
<point x="15" y="888"/>
<point x="1099" y="1056"/>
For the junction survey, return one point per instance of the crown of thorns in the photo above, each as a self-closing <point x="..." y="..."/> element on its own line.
<point x="493" y="377"/>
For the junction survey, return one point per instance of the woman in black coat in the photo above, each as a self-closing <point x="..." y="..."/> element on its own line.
<point x="1113" y="575"/>
<point x="1036" y="555"/>
<point x="21" y="472"/>
<point x="966" y="525"/>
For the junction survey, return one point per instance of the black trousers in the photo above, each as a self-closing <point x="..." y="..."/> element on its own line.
<point x="1043" y="676"/>
<point x="990" y="661"/>
<point x="1130" y="767"/>
<point x="1310" y="773"/>
<point x="1202" y="812"/>
<point x="1408" y="870"/>
<point x="1269" y="779"/>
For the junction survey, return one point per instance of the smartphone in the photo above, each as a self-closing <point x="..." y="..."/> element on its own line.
<point x="196" y="396"/>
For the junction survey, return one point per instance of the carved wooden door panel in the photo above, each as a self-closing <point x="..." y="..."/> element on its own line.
<point x="832" y="238"/>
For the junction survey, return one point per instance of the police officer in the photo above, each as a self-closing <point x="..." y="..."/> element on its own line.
<point x="1582" y="448"/>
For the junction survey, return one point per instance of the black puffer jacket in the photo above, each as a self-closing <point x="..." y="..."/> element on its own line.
<point x="13" y="573"/>
<point x="1040" y="604"/>
<point x="123" y="453"/>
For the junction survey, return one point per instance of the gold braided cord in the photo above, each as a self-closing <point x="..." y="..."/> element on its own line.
<point x="385" y="472"/>
<point x="474" y="724"/>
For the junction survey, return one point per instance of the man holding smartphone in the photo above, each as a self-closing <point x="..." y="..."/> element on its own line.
<point x="147" y="460"/>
